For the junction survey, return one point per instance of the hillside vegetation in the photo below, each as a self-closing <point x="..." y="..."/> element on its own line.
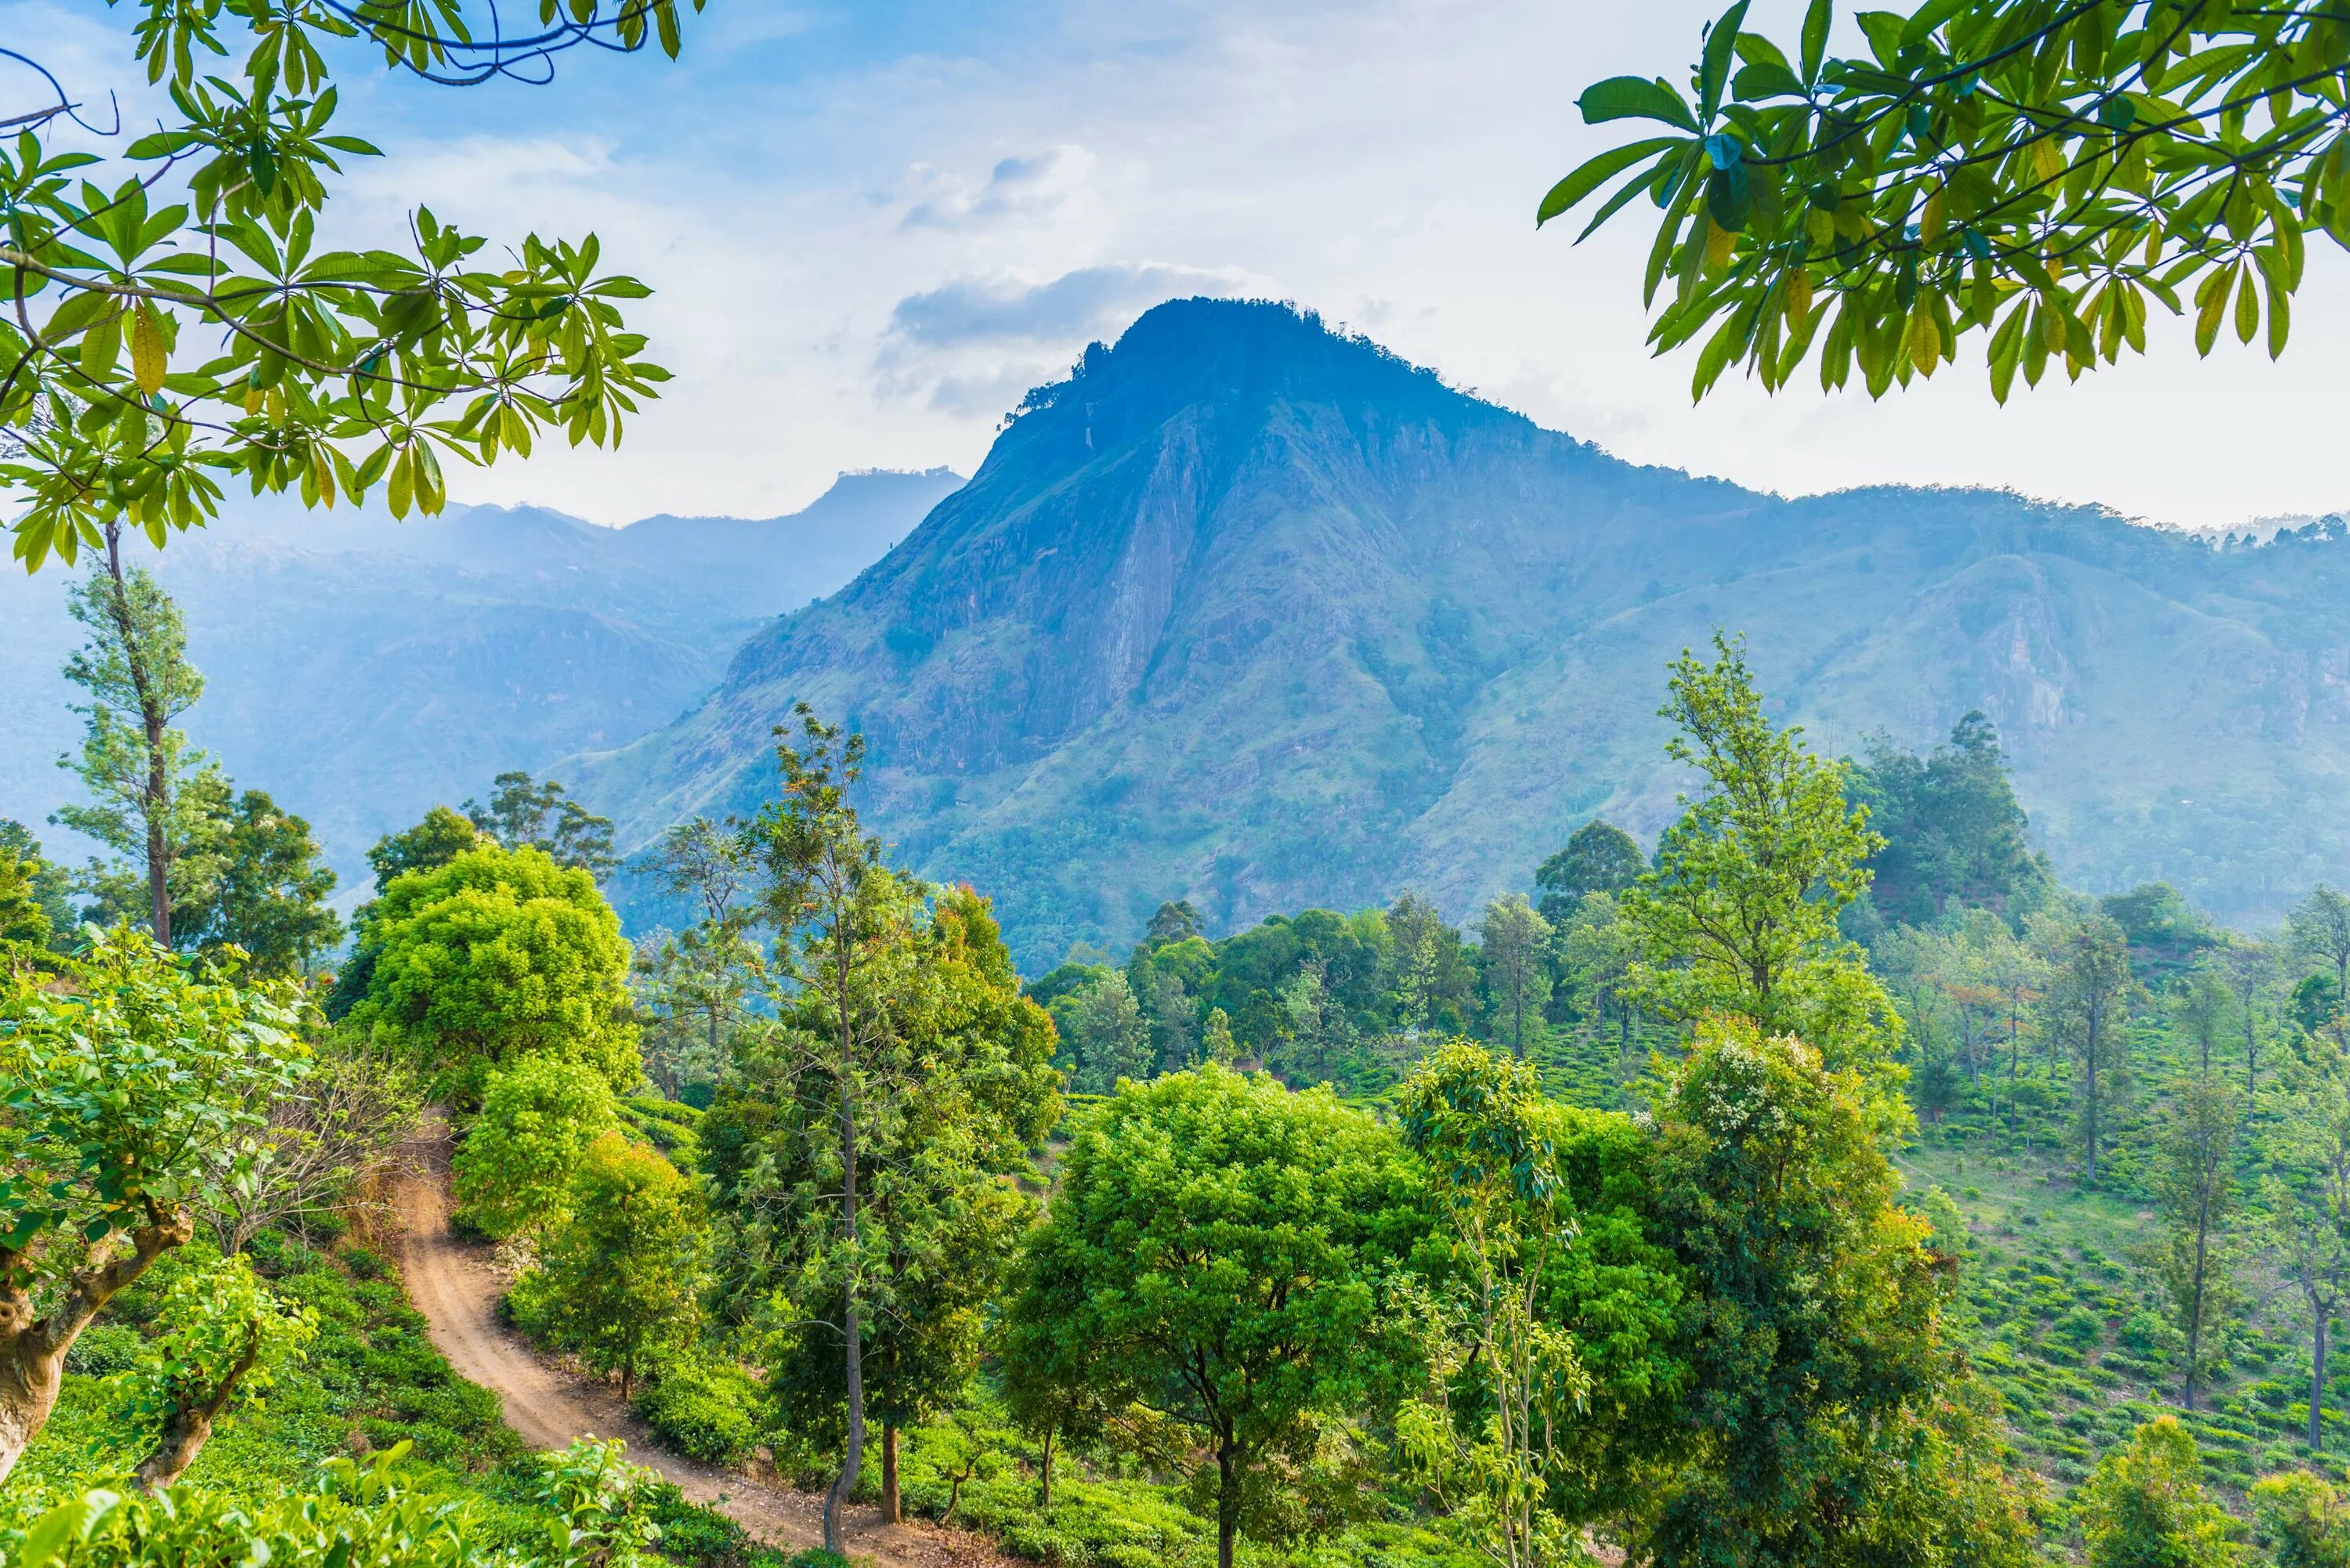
<point x="1251" y="614"/>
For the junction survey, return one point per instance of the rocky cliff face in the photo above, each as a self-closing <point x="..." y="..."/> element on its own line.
<point x="1260" y="616"/>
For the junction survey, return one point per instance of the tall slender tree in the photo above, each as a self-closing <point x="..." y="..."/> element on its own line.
<point x="2320" y="932"/>
<point x="2086" y="1006"/>
<point x="2196" y="1182"/>
<point x="143" y="778"/>
<point x="1740" y="915"/>
<point x="836" y="911"/>
<point x="1511" y="939"/>
<point x="2307" y="1207"/>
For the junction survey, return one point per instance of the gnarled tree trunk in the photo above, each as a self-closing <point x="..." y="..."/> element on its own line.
<point x="32" y="1350"/>
<point x="191" y="1426"/>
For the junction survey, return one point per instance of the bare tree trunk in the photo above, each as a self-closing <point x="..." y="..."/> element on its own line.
<point x="32" y="1350"/>
<point x="892" y="1511"/>
<point x="1228" y="1501"/>
<point x="1045" y="1469"/>
<point x="2317" y="1381"/>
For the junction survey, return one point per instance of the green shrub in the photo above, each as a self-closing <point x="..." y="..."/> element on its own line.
<point x="105" y="1349"/>
<point x="689" y="1532"/>
<point x="703" y="1410"/>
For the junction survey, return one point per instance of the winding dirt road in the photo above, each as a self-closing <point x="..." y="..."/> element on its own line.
<point x="452" y="1285"/>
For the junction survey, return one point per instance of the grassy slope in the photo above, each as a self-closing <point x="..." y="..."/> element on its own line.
<point x="371" y="1379"/>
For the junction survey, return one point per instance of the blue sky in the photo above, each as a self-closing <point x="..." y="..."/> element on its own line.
<point x="873" y="226"/>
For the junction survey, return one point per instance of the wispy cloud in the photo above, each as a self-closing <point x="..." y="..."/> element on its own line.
<point x="1034" y="187"/>
<point x="1088" y="302"/>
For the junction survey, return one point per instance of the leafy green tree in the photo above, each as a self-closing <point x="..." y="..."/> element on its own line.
<point x="2086" y="1011"/>
<point x="1219" y="1240"/>
<point x="1216" y="1042"/>
<point x="1430" y="981"/>
<point x="270" y="898"/>
<point x="1510" y="941"/>
<point x="1599" y="857"/>
<point x="540" y="1114"/>
<point x="866" y="1157"/>
<point x="1829" y="1419"/>
<point x="2250" y="970"/>
<point x="2196" y="1182"/>
<point x="1045" y="1362"/>
<point x="2305" y="1518"/>
<point x="2320" y="933"/>
<point x="432" y="843"/>
<point x="151" y="797"/>
<point x="2040" y="173"/>
<point x="302" y="368"/>
<point x="1104" y="1034"/>
<point x="1954" y="833"/>
<point x="34" y="910"/>
<point x="2307" y="1205"/>
<point x="1601" y="952"/>
<point x="943" y="1211"/>
<point x="1740" y="915"/>
<point x="1488" y="1142"/>
<point x="133" y="1097"/>
<point x="522" y="811"/>
<point x="2145" y="1507"/>
<point x="619" y="1280"/>
<point x="700" y="982"/>
<point x="498" y="954"/>
<point x="1173" y="922"/>
<point x="225" y="1337"/>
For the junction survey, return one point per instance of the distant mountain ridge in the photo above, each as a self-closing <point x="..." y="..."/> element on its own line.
<point x="1256" y="613"/>
<point x="361" y="670"/>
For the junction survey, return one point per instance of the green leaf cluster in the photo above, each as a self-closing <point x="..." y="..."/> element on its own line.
<point x="2043" y="172"/>
<point x="325" y="372"/>
<point x="498" y="953"/>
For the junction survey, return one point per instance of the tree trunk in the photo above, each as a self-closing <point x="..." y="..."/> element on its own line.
<point x="2195" y="1313"/>
<point x="157" y="806"/>
<point x="183" y="1439"/>
<point x="184" y="1434"/>
<point x="2317" y="1384"/>
<point x="1228" y="1502"/>
<point x="32" y="1350"/>
<point x="891" y="1511"/>
<point x="1044" y="1470"/>
<point x="852" y="1332"/>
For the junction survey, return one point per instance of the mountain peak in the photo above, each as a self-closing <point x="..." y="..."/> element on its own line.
<point x="1202" y="350"/>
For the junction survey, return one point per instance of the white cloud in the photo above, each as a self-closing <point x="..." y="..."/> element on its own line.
<point x="822" y="307"/>
<point x="1089" y="302"/>
<point x="1033" y="188"/>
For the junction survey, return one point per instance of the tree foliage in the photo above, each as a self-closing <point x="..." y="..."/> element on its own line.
<point x="2041" y="172"/>
<point x="1599" y="857"/>
<point x="1219" y="1240"/>
<point x="1740" y="914"/>
<point x="132" y="1098"/>
<point x="182" y="319"/>
<point x="542" y="814"/>
<point x="2145" y="1506"/>
<point x="497" y="954"/>
<point x="1829" y="1413"/>
<point x="540" y="1115"/>
<point x="619" y="1280"/>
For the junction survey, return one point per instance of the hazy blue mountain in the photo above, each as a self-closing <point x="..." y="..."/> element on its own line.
<point x="361" y="670"/>
<point x="1255" y="614"/>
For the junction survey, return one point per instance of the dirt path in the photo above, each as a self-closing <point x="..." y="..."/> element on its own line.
<point x="452" y="1285"/>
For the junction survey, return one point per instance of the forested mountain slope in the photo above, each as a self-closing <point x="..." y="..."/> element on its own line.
<point x="1252" y="613"/>
<point x="361" y="670"/>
